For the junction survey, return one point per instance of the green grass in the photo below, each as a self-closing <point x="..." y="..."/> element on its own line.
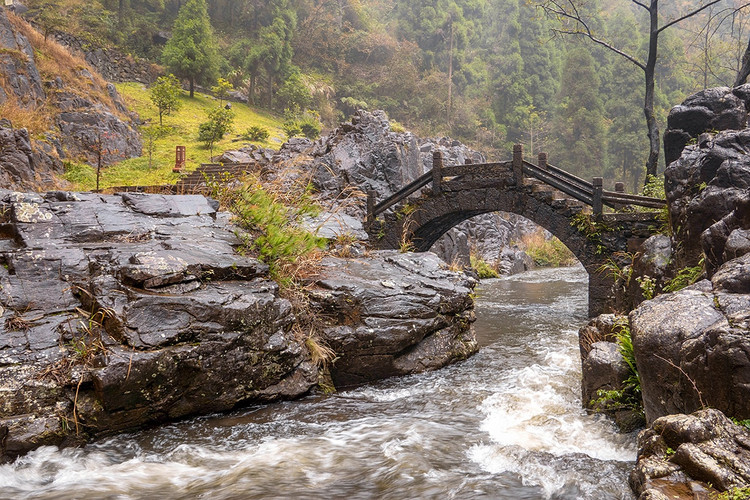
<point x="184" y="132"/>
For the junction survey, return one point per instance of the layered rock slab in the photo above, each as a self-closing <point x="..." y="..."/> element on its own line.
<point x="118" y="311"/>
<point x="123" y="310"/>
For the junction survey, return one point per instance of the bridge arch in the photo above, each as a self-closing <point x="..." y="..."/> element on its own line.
<point x="551" y="198"/>
<point x="431" y="217"/>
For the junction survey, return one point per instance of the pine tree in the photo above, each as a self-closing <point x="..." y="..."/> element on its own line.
<point x="580" y="120"/>
<point x="191" y="52"/>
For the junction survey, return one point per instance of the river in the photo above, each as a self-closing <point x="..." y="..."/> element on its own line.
<point x="505" y="424"/>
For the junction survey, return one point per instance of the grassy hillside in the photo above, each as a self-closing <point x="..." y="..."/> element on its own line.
<point x="183" y="131"/>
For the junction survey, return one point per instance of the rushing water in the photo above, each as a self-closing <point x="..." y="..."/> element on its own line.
<point x="506" y="424"/>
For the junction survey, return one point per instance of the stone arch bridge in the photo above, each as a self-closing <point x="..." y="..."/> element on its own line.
<point x="570" y="208"/>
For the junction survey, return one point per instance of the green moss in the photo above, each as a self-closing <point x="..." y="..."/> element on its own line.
<point x="733" y="494"/>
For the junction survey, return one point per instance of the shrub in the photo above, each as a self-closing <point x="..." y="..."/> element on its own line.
<point x="547" y="252"/>
<point x="219" y="123"/>
<point x="291" y="128"/>
<point x="397" y="127"/>
<point x="256" y="133"/>
<point x="310" y="128"/>
<point x="483" y="269"/>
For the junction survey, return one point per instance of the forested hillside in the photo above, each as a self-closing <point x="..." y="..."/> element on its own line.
<point x="487" y="72"/>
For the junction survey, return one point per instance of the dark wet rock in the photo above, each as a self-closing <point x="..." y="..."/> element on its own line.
<point x="687" y="454"/>
<point x="400" y="313"/>
<point x="691" y="346"/>
<point x="728" y="238"/>
<point x="118" y="311"/>
<point x="141" y="306"/>
<point x="707" y="181"/>
<point x="714" y="109"/>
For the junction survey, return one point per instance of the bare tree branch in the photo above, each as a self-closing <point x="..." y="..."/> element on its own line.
<point x="689" y="14"/>
<point x="643" y="5"/>
<point x="573" y="15"/>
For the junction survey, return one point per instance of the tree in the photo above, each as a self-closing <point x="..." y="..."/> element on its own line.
<point x="573" y="21"/>
<point x="218" y="125"/>
<point x="47" y="14"/>
<point x="152" y="134"/>
<point x="580" y="121"/>
<point x="191" y="52"/>
<point x="222" y="90"/>
<point x="165" y="94"/>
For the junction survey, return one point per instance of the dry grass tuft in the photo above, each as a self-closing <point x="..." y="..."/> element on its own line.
<point x="53" y="60"/>
<point x="320" y="353"/>
<point x="36" y="120"/>
<point x="547" y="252"/>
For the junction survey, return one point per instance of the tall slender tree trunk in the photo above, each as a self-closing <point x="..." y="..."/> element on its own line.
<point x="744" y="71"/>
<point x="251" y="91"/>
<point x="648" y="104"/>
<point x="192" y="86"/>
<point x="450" y="77"/>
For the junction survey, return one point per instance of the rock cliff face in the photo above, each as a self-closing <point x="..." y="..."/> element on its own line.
<point x="118" y="311"/>
<point x="80" y="121"/>
<point x="708" y="180"/>
<point x="691" y="346"/>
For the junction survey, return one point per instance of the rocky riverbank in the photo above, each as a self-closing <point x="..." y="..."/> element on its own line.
<point x="690" y="345"/>
<point x="126" y="310"/>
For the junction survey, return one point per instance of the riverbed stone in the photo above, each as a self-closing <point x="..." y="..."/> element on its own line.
<point x="700" y="453"/>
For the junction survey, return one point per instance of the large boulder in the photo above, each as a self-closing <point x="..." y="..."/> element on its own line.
<point x="692" y="346"/>
<point x="691" y="456"/>
<point x="398" y="314"/>
<point x="714" y="109"/>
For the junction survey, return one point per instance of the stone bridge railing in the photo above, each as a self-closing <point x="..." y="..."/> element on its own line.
<point x="515" y="171"/>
